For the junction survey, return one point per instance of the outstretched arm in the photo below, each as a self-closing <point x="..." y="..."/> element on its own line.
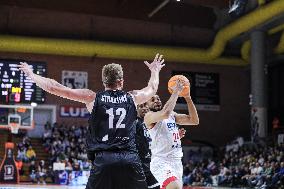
<point x="153" y="117"/>
<point x="143" y="95"/>
<point x="192" y="117"/>
<point x="50" y="85"/>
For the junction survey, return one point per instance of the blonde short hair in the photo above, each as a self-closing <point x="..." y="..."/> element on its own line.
<point x="111" y="73"/>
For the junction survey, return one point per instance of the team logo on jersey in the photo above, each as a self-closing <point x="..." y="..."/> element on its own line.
<point x="171" y="126"/>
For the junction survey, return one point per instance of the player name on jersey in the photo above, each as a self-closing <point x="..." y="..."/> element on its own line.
<point x="114" y="100"/>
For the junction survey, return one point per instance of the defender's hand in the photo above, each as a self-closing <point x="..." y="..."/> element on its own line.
<point x="157" y="63"/>
<point x="25" y="68"/>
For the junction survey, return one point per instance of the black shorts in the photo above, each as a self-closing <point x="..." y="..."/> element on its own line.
<point x="150" y="179"/>
<point x="116" y="170"/>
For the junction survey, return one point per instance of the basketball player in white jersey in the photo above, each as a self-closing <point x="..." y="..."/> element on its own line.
<point x="166" y="149"/>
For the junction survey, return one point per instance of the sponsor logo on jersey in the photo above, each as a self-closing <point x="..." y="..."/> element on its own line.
<point x="171" y="126"/>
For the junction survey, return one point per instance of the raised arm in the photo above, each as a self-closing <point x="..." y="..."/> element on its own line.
<point x="53" y="87"/>
<point x="192" y="117"/>
<point x="153" y="117"/>
<point x="143" y="95"/>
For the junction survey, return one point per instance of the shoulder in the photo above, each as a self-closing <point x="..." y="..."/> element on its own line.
<point x="173" y="115"/>
<point x="130" y="94"/>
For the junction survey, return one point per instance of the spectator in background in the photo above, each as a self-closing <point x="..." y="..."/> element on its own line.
<point x="76" y="165"/>
<point x="186" y="175"/>
<point x="26" y="141"/>
<point x="275" y="127"/>
<point x="65" y="142"/>
<point x="68" y="165"/>
<point x="22" y="153"/>
<point x="77" y="132"/>
<point x="254" y="126"/>
<point x="31" y="155"/>
<point x="266" y="175"/>
<point x="41" y="172"/>
<point x="32" y="171"/>
<point x="50" y="174"/>
<point x="47" y="133"/>
<point x="276" y="123"/>
<point x="212" y="167"/>
<point x="255" y="177"/>
<point x="223" y="174"/>
<point x="86" y="165"/>
<point x="278" y="176"/>
<point x="83" y="155"/>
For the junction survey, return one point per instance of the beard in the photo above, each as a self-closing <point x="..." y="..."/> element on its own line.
<point x="142" y="115"/>
<point x="156" y="108"/>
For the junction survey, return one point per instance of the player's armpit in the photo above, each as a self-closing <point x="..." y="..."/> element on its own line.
<point x="154" y="117"/>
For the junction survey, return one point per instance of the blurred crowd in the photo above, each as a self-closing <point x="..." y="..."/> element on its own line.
<point x="236" y="165"/>
<point x="66" y="144"/>
<point x="26" y="152"/>
<point x="252" y="166"/>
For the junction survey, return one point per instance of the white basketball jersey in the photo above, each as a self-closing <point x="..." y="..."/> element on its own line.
<point x="165" y="139"/>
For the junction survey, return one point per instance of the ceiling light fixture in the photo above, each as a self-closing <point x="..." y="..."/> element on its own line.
<point x="237" y="7"/>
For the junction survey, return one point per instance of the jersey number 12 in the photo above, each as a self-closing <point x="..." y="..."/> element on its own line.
<point x="121" y="112"/>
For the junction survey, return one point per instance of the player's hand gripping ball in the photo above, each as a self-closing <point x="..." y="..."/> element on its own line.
<point x="172" y="83"/>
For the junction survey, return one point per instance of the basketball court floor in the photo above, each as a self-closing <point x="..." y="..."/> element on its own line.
<point x="26" y="186"/>
<point x="19" y="186"/>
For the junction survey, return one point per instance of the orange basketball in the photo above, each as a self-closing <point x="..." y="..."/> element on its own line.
<point x="172" y="82"/>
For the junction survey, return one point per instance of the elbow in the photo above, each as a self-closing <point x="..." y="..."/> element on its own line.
<point x="50" y="88"/>
<point x="53" y="87"/>
<point x="192" y="120"/>
<point x="195" y="121"/>
<point x="153" y="88"/>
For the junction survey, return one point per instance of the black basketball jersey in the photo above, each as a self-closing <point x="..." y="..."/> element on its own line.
<point x="143" y="140"/>
<point x="111" y="124"/>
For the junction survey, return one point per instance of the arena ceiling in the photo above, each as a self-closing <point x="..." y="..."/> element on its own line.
<point x="201" y="15"/>
<point x="173" y="12"/>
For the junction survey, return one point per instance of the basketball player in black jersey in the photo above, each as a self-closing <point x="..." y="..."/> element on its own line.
<point x="143" y="141"/>
<point x="111" y="138"/>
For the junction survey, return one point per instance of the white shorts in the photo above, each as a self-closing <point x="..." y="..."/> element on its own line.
<point x="166" y="170"/>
